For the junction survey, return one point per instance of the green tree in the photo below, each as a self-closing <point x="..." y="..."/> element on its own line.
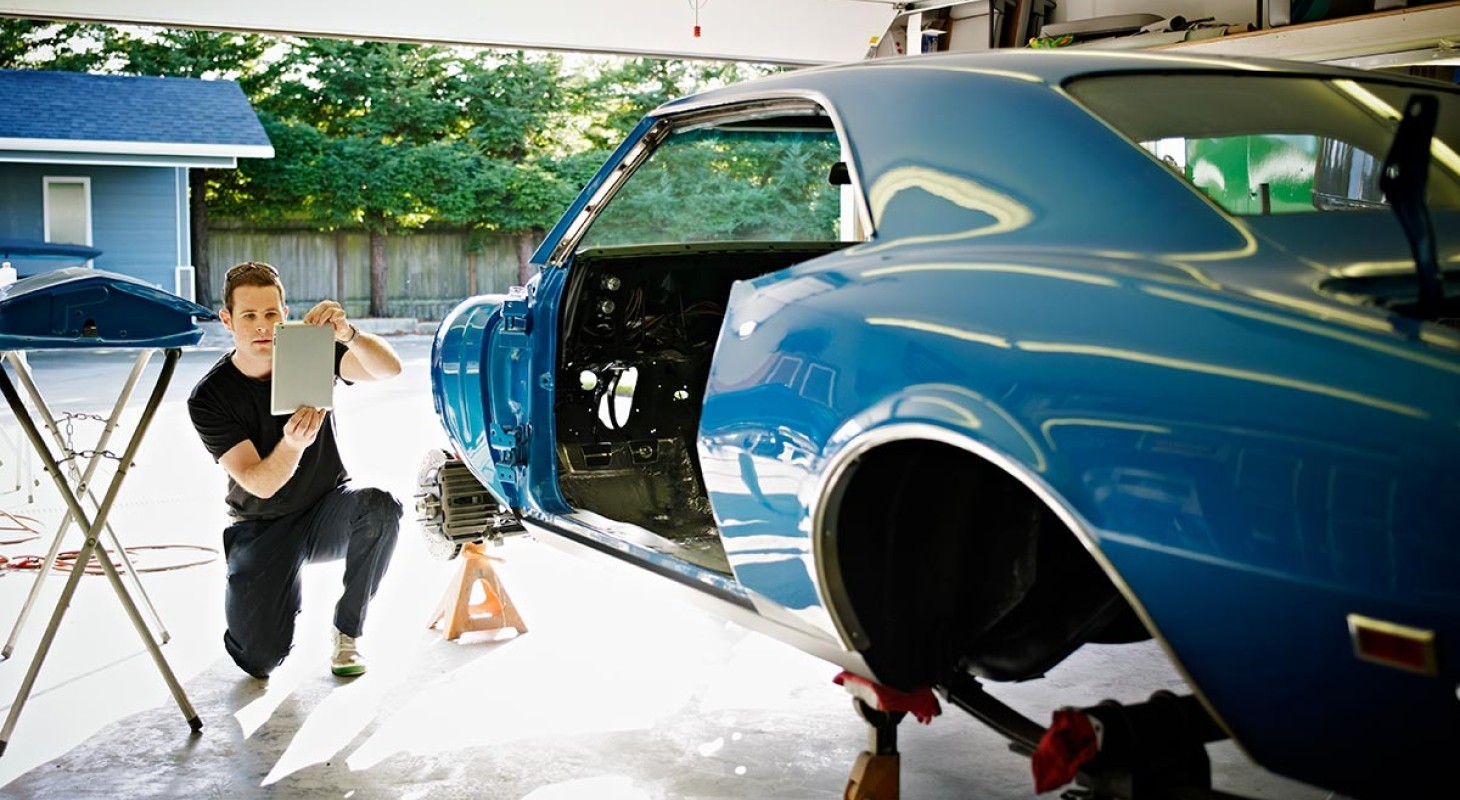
<point x="209" y="55"/>
<point x="523" y="121"/>
<point x="39" y="44"/>
<point x="623" y="90"/>
<point x="717" y="185"/>
<point x="407" y="131"/>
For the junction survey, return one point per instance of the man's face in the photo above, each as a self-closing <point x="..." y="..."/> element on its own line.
<point x="251" y="320"/>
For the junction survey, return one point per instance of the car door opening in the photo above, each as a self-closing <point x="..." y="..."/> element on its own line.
<point x="639" y="327"/>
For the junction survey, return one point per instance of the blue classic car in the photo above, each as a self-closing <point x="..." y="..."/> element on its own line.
<point x="941" y="367"/>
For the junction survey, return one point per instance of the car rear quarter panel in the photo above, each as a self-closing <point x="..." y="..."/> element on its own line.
<point x="949" y="156"/>
<point x="1252" y="474"/>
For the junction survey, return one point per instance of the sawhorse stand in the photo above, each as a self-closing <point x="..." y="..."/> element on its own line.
<point x="81" y="480"/>
<point x="90" y="548"/>
<point x="496" y="610"/>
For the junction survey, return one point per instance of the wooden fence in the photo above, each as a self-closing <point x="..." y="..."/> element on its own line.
<point x="427" y="274"/>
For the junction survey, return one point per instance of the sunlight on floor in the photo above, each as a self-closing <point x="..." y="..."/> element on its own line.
<point x="606" y="787"/>
<point x="595" y="663"/>
<point x="609" y="668"/>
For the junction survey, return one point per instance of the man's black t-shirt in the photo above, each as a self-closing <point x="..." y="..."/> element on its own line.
<point x="228" y="407"/>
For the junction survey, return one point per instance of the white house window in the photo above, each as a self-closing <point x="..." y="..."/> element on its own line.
<point x="68" y="210"/>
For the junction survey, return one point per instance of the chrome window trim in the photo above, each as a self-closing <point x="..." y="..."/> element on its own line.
<point x="694" y="117"/>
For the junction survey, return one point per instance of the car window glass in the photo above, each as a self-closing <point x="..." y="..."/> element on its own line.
<point x="1274" y="145"/>
<point x="1275" y="174"/>
<point x="729" y="184"/>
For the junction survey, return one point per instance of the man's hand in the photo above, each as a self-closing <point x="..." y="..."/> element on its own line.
<point x="262" y="477"/>
<point x="302" y="428"/>
<point x="328" y="312"/>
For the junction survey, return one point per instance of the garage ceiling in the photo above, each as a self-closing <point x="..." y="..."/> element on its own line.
<point x="779" y="31"/>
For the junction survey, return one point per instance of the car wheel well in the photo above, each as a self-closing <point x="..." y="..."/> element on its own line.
<point x="944" y="561"/>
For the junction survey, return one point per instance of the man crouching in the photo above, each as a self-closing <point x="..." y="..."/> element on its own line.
<point x="289" y="495"/>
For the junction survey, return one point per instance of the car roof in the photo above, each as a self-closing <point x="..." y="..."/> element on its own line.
<point x="1050" y="67"/>
<point x="996" y="133"/>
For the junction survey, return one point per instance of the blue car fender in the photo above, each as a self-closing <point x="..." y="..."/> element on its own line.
<point x="478" y="361"/>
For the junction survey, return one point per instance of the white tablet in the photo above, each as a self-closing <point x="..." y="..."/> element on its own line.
<point x="304" y="367"/>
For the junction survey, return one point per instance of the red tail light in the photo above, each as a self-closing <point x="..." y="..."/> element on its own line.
<point x="1393" y="645"/>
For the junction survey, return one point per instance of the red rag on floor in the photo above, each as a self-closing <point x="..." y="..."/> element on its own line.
<point x="920" y="702"/>
<point x="1069" y="743"/>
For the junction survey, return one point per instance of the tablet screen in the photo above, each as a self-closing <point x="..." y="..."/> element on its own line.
<point x="304" y="367"/>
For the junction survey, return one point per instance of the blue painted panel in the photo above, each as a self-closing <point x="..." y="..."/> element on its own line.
<point x="479" y="367"/>
<point x="138" y="216"/>
<point x="546" y="300"/>
<point x="1175" y="379"/>
<point x="1237" y="461"/>
<point x="20" y="203"/>
<point x="90" y="308"/>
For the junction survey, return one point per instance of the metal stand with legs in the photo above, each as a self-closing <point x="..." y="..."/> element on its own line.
<point x="81" y="479"/>
<point x="89" y="549"/>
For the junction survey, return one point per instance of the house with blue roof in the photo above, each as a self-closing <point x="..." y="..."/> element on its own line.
<point x="102" y="161"/>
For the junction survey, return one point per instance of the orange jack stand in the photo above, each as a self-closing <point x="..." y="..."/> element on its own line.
<point x="494" y="612"/>
<point x="877" y="771"/>
<point x="873" y="778"/>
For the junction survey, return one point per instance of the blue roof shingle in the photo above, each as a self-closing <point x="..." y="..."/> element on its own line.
<point x="75" y="106"/>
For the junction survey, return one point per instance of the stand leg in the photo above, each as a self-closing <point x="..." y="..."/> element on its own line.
<point x="89" y="548"/>
<point x="496" y="610"/>
<point x="35" y="665"/>
<point x="877" y="773"/>
<point x="23" y="467"/>
<point x="35" y="587"/>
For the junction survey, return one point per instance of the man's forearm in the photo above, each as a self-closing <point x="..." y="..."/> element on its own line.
<point x="374" y="355"/>
<point x="270" y="474"/>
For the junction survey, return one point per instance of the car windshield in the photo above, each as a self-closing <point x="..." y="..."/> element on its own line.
<point x="1259" y="144"/>
<point x="734" y="183"/>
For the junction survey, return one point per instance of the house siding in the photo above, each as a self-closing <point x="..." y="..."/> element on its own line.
<point x="21" y="203"/>
<point x="138" y="217"/>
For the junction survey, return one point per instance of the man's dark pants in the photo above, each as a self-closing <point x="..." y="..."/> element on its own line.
<point x="264" y="561"/>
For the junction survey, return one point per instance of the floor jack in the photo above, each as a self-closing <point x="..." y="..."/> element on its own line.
<point x="1154" y="750"/>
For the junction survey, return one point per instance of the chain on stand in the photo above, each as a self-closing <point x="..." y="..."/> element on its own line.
<point x="70" y="431"/>
<point x="66" y="560"/>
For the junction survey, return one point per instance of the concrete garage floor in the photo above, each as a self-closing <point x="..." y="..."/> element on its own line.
<point x="622" y="690"/>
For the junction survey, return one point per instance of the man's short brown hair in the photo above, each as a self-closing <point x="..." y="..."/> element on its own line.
<point x="250" y="273"/>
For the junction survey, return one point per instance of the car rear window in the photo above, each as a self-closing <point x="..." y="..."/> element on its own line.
<point x="1263" y="144"/>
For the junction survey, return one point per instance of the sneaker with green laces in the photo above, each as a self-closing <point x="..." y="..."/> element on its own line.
<point x="346" y="661"/>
